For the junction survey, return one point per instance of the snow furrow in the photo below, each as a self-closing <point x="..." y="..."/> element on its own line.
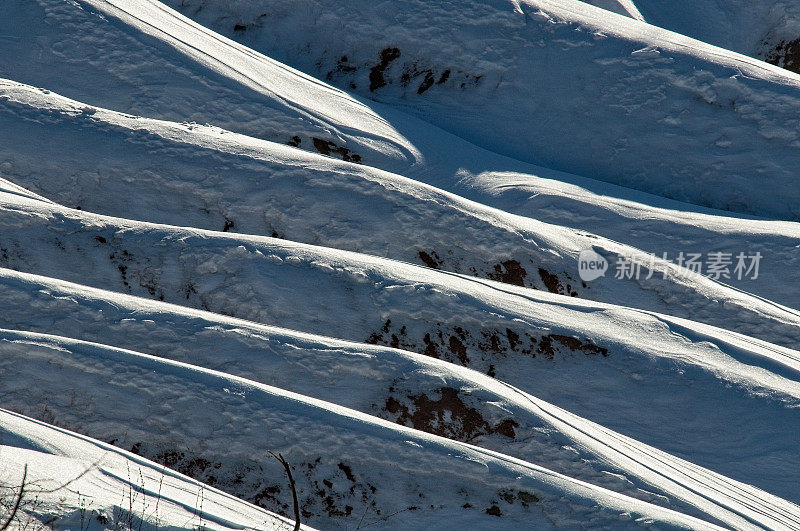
<point x="655" y="379"/>
<point x="213" y="179"/>
<point x="229" y="424"/>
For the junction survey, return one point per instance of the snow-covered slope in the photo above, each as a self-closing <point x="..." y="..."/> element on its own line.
<point x="560" y="83"/>
<point x="151" y="62"/>
<point x="768" y="29"/>
<point x="439" y="158"/>
<point x="227" y="425"/>
<point x="234" y="443"/>
<point x="621" y="7"/>
<point x="206" y="256"/>
<point x="580" y="357"/>
<point x="653" y="224"/>
<point x="210" y="178"/>
<point x="484" y="412"/>
<point x="568" y="67"/>
<point x="75" y="482"/>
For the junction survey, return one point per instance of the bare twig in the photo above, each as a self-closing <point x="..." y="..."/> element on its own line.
<point x="292" y="486"/>
<point x="17" y="502"/>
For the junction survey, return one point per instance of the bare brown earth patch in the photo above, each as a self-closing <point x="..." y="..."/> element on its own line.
<point x="785" y="54"/>
<point x="508" y="271"/>
<point x="482" y="350"/>
<point x="554" y="284"/>
<point x="448" y="416"/>
<point x="431" y="260"/>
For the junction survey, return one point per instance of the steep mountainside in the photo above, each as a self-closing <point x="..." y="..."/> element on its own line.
<point x="495" y="264"/>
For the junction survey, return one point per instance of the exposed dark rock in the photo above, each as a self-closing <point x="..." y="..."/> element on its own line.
<point x="376" y="77"/>
<point x="510" y="272"/>
<point x="328" y="148"/>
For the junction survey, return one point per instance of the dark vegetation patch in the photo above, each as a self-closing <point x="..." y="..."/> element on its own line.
<point x="328" y="148"/>
<point x="448" y="416"/>
<point x="426" y="77"/>
<point x="336" y="493"/>
<point x="526" y="499"/>
<point x="508" y="271"/>
<point x="554" y="285"/>
<point x="785" y="54"/>
<point x="431" y="260"/>
<point x="482" y="350"/>
<point x="121" y="260"/>
<point x="411" y="74"/>
<point x="342" y="67"/>
<point x="146" y="277"/>
<point x="13" y="256"/>
<point x="323" y="491"/>
<point x="333" y="489"/>
<point x="376" y="77"/>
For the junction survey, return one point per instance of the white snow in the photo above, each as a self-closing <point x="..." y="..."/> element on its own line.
<point x="80" y="483"/>
<point x="349" y="232"/>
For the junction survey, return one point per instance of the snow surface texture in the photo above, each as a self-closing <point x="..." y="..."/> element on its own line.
<point x="281" y="357"/>
<point x="216" y="181"/>
<point x="326" y="442"/>
<point x="392" y="305"/>
<point x="767" y="29"/>
<point x="621" y="7"/>
<point x="69" y="476"/>
<point x="227" y="96"/>
<point x="561" y="83"/>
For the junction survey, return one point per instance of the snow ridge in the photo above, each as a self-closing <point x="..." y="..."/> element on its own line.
<point x="343" y="232"/>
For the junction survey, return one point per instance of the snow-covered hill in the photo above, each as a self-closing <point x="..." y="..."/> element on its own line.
<point x="560" y="83"/>
<point x="210" y="178"/>
<point x="343" y="454"/>
<point x="140" y="58"/>
<point x="372" y="267"/>
<point x="768" y="29"/>
<point x="74" y="482"/>
<point x="580" y="357"/>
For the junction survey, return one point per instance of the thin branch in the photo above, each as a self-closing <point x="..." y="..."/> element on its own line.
<point x="17" y="503"/>
<point x="288" y="469"/>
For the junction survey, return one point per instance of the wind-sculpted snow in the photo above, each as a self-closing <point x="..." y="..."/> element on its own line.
<point x="620" y="7"/>
<point x="579" y="356"/>
<point x="225" y="425"/>
<point x="524" y="426"/>
<point x="768" y="29"/>
<point x="145" y="59"/>
<point x="93" y="50"/>
<point x="213" y="179"/>
<point x="74" y="482"/>
<point x="656" y="225"/>
<point x="559" y="83"/>
<point x="207" y="256"/>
